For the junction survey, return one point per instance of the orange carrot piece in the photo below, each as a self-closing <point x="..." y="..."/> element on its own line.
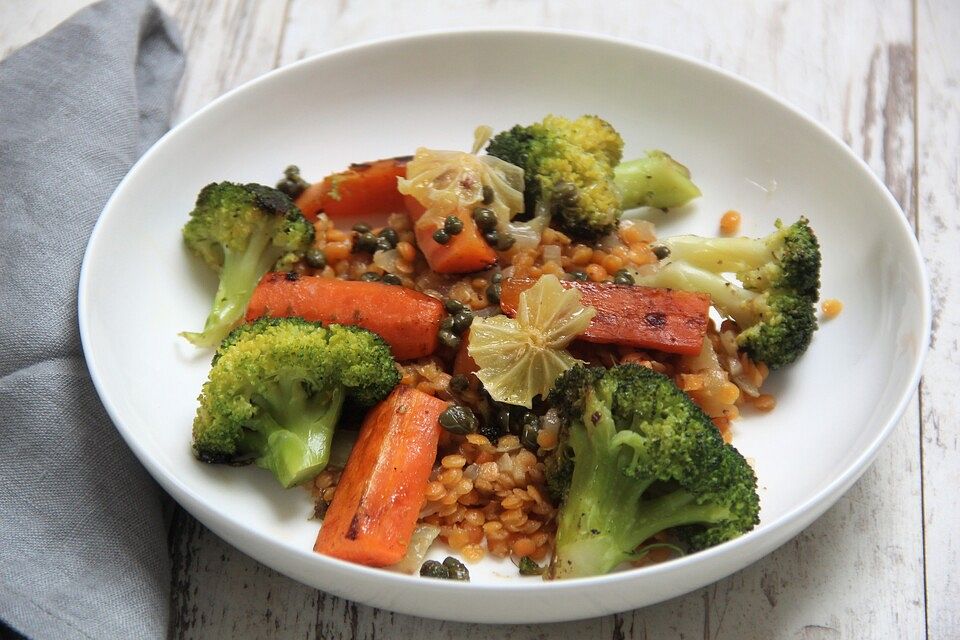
<point x="362" y="191"/>
<point x="406" y="319"/>
<point x="378" y="500"/>
<point x="466" y="251"/>
<point x="633" y="316"/>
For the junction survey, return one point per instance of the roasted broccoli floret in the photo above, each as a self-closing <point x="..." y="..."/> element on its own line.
<point x="780" y="277"/>
<point x="242" y="231"/>
<point x="788" y="258"/>
<point x="573" y="167"/>
<point x="636" y="458"/>
<point x="276" y="389"/>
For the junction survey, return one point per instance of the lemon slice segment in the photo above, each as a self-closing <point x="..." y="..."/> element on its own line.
<point x="520" y="358"/>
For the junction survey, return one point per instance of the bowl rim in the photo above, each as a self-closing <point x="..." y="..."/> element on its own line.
<point x="774" y="530"/>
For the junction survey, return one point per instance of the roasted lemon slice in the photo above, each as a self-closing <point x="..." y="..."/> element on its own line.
<point x="520" y="358"/>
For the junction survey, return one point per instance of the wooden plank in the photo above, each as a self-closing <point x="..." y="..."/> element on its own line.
<point x="228" y="42"/>
<point x="939" y="201"/>
<point x="21" y="20"/>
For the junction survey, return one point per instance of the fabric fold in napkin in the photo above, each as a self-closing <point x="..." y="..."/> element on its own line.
<point x="83" y="547"/>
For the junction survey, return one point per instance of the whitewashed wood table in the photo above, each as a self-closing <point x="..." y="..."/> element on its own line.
<point x="884" y="75"/>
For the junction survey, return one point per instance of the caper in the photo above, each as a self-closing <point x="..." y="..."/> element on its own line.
<point x="459" y="383"/>
<point x="361" y="227"/>
<point x="530" y="427"/>
<point x="292" y="183"/>
<point x="441" y="237"/>
<point x="579" y="275"/>
<point x="458" y="419"/>
<point x="390" y="235"/>
<point x="447" y="323"/>
<point x="493" y="293"/>
<point x="456" y="569"/>
<point x="505" y="242"/>
<point x="488" y="194"/>
<point x="370" y="276"/>
<point x="390" y="278"/>
<point x="496" y="278"/>
<point x="384" y="245"/>
<point x="449" y="338"/>
<point x="461" y="321"/>
<point x="452" y="225"/>
<point x="661" y="251"/>
<point x="485" y="218"/>
<point x="434" y="569"/>
<point x="316" y="259"/>
<point x="453" y="306"/>
<point x="622" y="277"/>
<point x="492" y="237"/>
<point x="365" y="242"/>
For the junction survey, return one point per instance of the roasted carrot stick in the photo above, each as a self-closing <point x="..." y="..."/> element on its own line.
<point x="362" y="191"/>
<point x="381" y="491"/>
<point x="661" y="319"/>
<point x="408" y="320"/>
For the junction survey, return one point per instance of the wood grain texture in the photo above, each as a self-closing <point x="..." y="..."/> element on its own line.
<point x="938" y="26"/>
<point x="858" y="572"/>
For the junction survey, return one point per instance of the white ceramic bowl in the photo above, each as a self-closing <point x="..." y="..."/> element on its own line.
<point x="747" y="150"/>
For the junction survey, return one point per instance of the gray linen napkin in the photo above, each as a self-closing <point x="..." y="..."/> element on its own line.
<point x="83" y="547"/>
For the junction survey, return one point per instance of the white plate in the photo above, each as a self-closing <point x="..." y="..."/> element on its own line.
<point x="747" y="150"/>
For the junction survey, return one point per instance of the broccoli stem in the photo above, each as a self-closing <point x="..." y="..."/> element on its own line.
<point x="298" y="430"/>
<point x="605" y="517"/>
<point x="655" y="180"/>
<point x="730" y="298"/>
<point x="721" y="255"/>
<point x="239" y="276"/>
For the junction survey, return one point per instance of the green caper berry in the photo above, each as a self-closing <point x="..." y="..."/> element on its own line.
<point x="441" y="237"/>
<point x="452" y="225"/>
<point x="449" y="338"/>
<point x="447" y="323"/>
<point x="390" y="278"/>
<point x="390" y="235"/>
<point x="496" y="278"/>
<point x="461" y="321"/>
<point x="528" y="436"/>
<point x="485" y="218"/>
<point x="623" y="277"/>
<point x="578" y="275"/>
<point x="458" y="419"/>
<point x="528" y="567"/>
<point x="453" y="306"/>
<point x="434" y="569"/>
<point x="492" y="237"/>
<point x="493" y="293"/>
<point x="661" y="251"/>
<point x="456" y="569"/>
<point x="505" y="242"/>
<point x="316" y="259"/>
<point x="365" y="242"/>
<point x="459" y="383"/>
<point x="370" y="276"/>
<point x="361" y="227"/>
<point x="384" y="245"/>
